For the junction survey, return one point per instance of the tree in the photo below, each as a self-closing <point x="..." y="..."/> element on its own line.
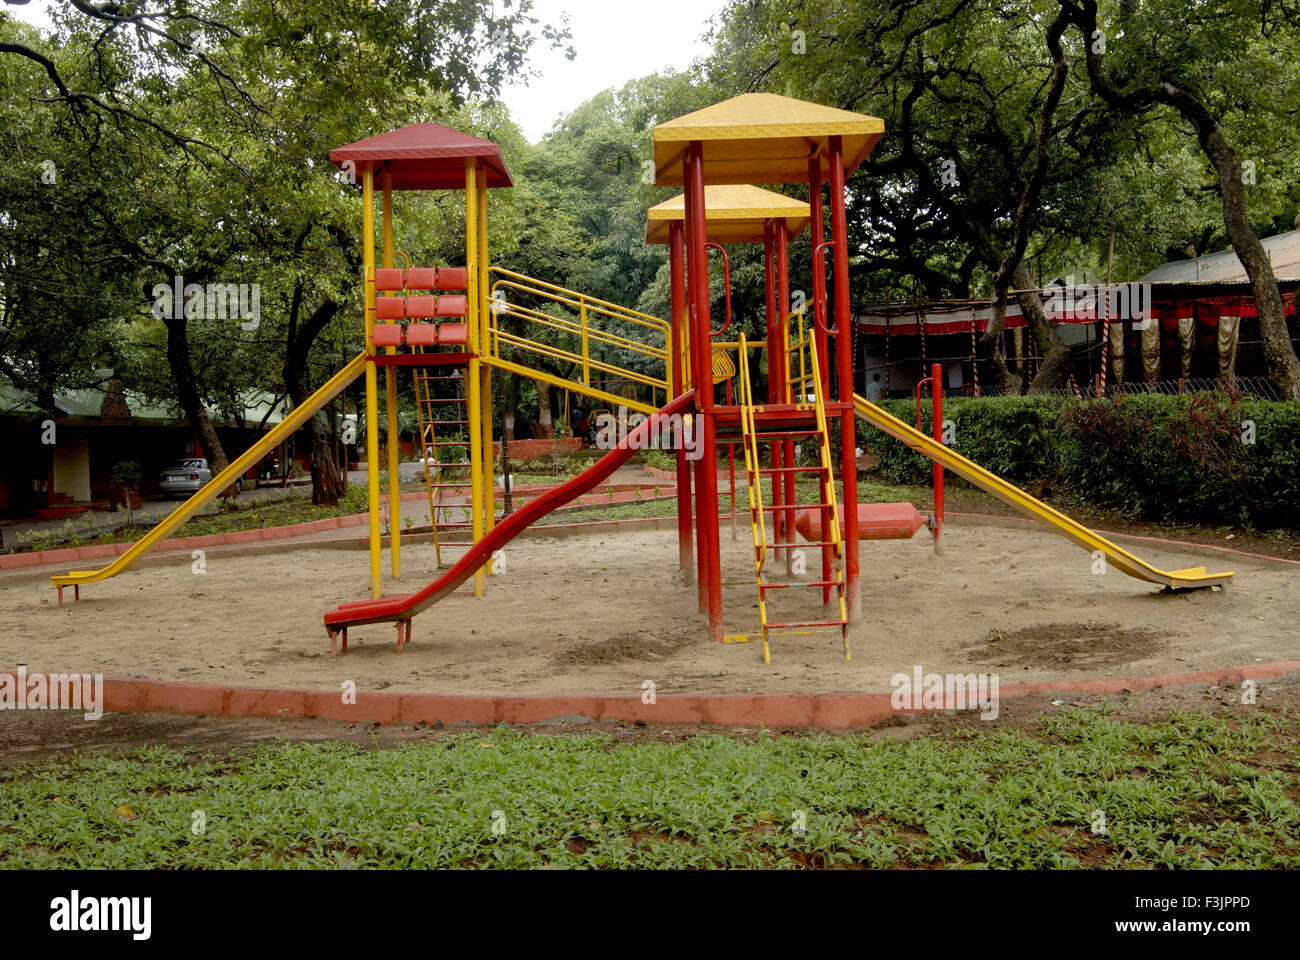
<point x="234" y="106"/>
<point x="1231" y="65"/>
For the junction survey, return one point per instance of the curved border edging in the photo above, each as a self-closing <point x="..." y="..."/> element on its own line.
<point x="827" y="711"/>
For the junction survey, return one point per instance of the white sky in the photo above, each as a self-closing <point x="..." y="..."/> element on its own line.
<point x="616" y="41"/>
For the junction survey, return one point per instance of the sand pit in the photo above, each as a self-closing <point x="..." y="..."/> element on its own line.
<point x="602" y="614"/>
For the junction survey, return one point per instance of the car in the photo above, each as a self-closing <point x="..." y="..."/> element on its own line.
<point x="186" y="476"/>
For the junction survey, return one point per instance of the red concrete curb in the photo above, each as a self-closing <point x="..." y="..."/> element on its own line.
<point x="828" y="711"/>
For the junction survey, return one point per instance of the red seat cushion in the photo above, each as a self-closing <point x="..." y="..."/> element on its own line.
<point x="452" y="305"/>
<point x="453" y="278"/>
<point x="421" y="306"/>
<point x="389" y="308"/>
<point x="421" y="278"/>
<point x="422" y="335"/>
<point x="389" y="278"/>
<point x="453" y="334"/>
<point x="388" y="334"/>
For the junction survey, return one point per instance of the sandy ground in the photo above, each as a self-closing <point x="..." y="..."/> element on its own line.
<point x="602" y="614"/>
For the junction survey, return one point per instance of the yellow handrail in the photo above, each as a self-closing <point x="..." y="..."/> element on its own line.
<point x="828" y="489"/>
<point x="754" y="488"/>
<point x="657" y="351"/>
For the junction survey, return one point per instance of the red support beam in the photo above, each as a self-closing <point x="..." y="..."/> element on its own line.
<point x="783" y="489"/>
<point x="844" y="364"/>
<point x="697" y="258"/>
<point x="677" y="268"/>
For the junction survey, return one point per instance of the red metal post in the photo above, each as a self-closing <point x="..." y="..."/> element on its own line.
<point x="697" y="257"/>
<point x="775" y="373"/>
<point x="677" y="268"/>
<point x="783" y="490"/>
<point x="819" y="270"/>
<point x="936" y="429"/>
<point x="820" y="327"/>
<point x="844" y="361"/>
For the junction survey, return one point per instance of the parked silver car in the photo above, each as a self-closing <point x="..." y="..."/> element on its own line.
<point x="184" y="476"/>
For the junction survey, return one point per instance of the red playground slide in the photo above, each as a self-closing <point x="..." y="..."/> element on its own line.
<point x="400" y="610"/>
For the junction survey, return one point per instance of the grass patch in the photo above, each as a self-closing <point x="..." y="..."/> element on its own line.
<point x="1191" y="791"/>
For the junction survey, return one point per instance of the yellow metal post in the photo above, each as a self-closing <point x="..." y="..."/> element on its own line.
<point x="473" y="382"/>
<point x="372" y="386"/>
<point x="390" y="390"/>
<point x="485" y="321"/>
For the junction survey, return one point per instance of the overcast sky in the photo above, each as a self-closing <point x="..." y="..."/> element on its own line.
<point x="616" y="41"/>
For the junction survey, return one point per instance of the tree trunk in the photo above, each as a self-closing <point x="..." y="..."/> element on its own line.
<point x="1279" y="355"/>
<point x="511" y="406"/>
<point x="187" y="393"/>
<point x="988" y="344"/>
<point x="1054" y="374"/>
<point x="545" y="426"/>
<point x="327" y="487"/>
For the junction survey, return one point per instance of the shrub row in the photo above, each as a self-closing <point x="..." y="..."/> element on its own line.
<point x="1198" y="458"/>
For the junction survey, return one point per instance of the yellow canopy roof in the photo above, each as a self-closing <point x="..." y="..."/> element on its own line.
<point x="762" y="138"/>
<point x="735" y="213"/>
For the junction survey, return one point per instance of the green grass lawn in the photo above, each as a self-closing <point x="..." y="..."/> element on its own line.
<point x="1192" y="790"/>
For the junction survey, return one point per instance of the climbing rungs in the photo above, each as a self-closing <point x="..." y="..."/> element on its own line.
<point x="767" y="470"/>
<point x="801" y="545"/>
<point x="797" y="506"/>
<point x="783" y="434"/>
<point x="801" y="583"/>
<point x="806" y="623"/>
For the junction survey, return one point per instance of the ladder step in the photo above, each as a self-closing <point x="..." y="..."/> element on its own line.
<point x="784" y="434"/>
<point x="800" y="583"/>
<point x="797" y="506"/>
<point x="797" y="546"/>
<point x="770" y="470"/>
<point x="808" y="623"/>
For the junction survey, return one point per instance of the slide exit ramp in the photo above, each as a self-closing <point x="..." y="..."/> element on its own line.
<point x="226" y="478"/>
<point x="1055" y="521"/>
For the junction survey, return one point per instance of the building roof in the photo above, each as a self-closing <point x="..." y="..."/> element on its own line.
<point x="425" y="156"/>
<point x="761" y="138"/>
<point x="1224" y="267"/>
<point x="115" y="406"/>
<point x="735" y="213"/>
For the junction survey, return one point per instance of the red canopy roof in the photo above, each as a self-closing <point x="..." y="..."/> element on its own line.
<point x="425" y="156"/>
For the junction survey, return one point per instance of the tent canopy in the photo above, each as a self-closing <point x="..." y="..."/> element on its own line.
<point x="425" y="156"/>
<point x="735" y="213"/>
<point x="762" y="138"/>
<point x="1225" y="267"/>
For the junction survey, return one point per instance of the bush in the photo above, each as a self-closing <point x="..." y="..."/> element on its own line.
<point x="1162" y="458"/>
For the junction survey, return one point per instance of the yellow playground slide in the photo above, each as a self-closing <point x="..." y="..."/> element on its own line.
<point x="296" y="418"/>
<point x="1055" y="521"/>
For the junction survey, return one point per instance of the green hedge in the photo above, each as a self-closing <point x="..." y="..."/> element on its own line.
<point x="1157" y="457"/>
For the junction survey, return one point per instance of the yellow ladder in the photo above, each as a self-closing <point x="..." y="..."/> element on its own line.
<point x="439" y="470"/>
<point x="751" y="436"/>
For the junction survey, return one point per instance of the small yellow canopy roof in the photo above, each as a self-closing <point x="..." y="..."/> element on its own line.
<point x="735" y="213"/>
<point x="762" y="138"/>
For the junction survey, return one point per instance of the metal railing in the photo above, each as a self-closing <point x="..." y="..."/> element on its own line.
<point x="578" y="327"/>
